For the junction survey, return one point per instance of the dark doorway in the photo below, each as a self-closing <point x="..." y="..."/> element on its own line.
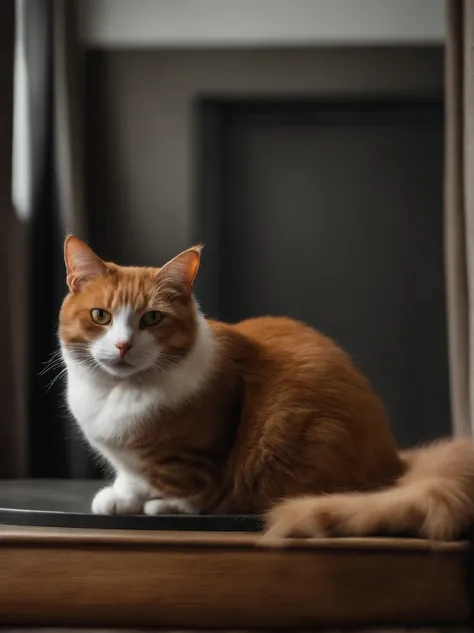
<point x="331" y="212"/>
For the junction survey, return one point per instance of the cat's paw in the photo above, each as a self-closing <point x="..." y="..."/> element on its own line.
<point x="107" y="501"/>
<point x="300" y="518"/>
<point x="167" y="506"/>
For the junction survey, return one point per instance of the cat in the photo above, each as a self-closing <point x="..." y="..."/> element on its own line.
<point x="265" y="417"/>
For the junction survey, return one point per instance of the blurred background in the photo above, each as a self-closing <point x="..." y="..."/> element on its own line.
<point x="316" y="147"/>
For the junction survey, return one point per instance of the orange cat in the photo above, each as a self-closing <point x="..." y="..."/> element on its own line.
<point x="197" y="416"/>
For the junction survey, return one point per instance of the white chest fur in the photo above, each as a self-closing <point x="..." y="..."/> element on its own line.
<point x="110" y="410"/>
<point x="107" y="411"/>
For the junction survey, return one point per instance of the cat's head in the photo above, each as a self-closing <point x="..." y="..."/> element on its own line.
<point x="125" y="320"/>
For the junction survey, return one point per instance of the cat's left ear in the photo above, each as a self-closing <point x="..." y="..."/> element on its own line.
<point x="182" y="270"/>
<point x="82" y="264"/>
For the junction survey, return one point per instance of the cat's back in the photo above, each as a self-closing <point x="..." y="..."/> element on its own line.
<point x="297" y="366"/>
<point x="290" y="341"/>
<point x="295" y="359"/>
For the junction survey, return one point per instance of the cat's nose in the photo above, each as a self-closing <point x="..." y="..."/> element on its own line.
<point x="123" y="347"/>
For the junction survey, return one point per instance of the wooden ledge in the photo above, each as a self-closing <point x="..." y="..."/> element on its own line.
<point x="110" y="578"/>
<point x="11" y="535"/>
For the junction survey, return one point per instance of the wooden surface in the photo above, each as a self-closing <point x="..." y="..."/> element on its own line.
<point x="10" y="535"/>
<point x="196" y="580"/>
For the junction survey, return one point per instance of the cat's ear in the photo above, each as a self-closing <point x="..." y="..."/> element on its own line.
<point x="82" y="264"/>
<point x="181" y="271"/>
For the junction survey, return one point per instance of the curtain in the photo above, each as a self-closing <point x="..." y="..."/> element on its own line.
<point x="459" y="208"/>
<point x="48" y="198"/>
<point x="13" y="422"/>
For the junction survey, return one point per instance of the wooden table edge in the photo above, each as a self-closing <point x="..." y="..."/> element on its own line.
<point x="21" y="535"/>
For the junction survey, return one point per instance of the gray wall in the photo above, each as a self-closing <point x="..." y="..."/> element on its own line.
<point x="140" y="125"/>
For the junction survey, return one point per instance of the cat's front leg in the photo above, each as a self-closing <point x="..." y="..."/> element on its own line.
<point x="126" y="495"/>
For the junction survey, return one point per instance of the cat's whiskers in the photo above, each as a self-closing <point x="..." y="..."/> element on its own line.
<point x="55" y="361"/>
<point x="165" y="361"/>
<point x="55" y="379"/>
<point x="82" y="357"/>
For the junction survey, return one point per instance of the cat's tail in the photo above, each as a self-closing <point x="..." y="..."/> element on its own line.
<point x="433" y="499"/>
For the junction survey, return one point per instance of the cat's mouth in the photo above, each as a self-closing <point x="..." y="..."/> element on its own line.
<point x="120" y="367"/>
<point x="116" y="362"/>
<point x="117" y="367"/>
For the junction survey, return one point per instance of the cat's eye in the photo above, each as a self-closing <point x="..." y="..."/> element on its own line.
<point x="101" y="317"/>
<point x="149" y="319"/>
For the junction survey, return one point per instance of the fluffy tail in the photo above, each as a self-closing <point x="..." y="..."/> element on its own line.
<point x="433" y="499"/>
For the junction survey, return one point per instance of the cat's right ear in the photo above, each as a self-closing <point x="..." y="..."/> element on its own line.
<point x="82" y="264"/>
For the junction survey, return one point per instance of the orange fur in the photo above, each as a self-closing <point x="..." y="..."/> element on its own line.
<point x="285" y="413"/>
<point x="433" y="499"/>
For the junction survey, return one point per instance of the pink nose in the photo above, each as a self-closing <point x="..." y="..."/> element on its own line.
<point x="123" y="347"/>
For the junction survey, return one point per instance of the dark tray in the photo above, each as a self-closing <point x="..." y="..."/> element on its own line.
<point x="66" y="503"/>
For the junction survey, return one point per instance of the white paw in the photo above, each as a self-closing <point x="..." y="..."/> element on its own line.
<point x="107" y="501"/>
<point x="167" y="506"/>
